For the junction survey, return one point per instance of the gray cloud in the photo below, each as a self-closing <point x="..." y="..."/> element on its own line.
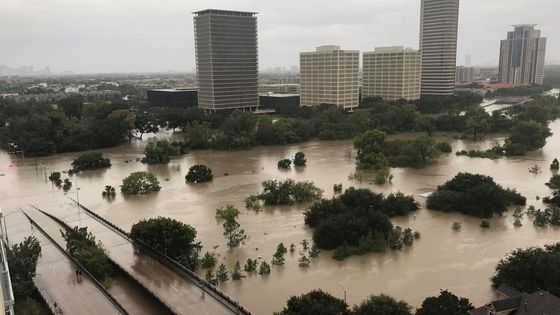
<point x="157" y="35"/>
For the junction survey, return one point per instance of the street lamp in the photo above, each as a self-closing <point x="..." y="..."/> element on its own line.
<point x="343" y="289"/>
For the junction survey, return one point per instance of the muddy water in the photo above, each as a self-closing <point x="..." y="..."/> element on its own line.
<point x="460" y="261"/>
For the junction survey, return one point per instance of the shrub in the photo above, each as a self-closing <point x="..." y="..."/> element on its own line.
<point x="485" y="224"/>
<point x="299" y="159"/>
<point x="554" y="182"/>
<point x="444" y="147"/>
<point x="284" y="164"/>
<point x="199" y="174"/>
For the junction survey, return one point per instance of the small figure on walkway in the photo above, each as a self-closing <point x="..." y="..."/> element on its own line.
<point x="77" y="275"/>
<point x="201" y="285"/>
<point x="80" y="275"/>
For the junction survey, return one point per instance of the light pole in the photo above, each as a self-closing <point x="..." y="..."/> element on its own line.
<point x="343" y="289"/>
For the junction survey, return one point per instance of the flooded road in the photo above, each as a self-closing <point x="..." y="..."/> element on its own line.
<point x="461" y="261"/>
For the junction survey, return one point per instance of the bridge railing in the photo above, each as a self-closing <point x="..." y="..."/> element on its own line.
<point x="108" y="295"/>
<point x="153" y="294"/>
<point x="173" y="265"/>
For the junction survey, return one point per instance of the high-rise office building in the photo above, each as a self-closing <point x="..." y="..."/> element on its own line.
<point x="329" y="75"/>
<point x="226" y="59"/>
<point x="522" y="56"/>
<point x="438" y="44"/>
<point x="392" y="73"/>
<point x="464" y="74"/>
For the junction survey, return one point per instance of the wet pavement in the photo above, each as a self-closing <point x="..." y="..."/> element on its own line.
<point x="181" y="295"/>
<point x="56" y="277"/>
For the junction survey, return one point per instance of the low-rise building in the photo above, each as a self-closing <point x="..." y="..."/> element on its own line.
<point x="287" y="88"/>
<point x="464" y="74"/>
<point x="515" y="302"/>
<point x="173" y="97"/>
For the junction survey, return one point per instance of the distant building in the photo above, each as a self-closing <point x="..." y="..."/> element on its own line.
<point x="438" y="44"/>
<point x="279" y="100"/>
<point x="464" y="74"/>
<point x="287" y="88"/>
<point x="173" y="97"/>
<point x="522" y="56"/>
<point x="226" y="59"/>
<point x="329" y="75"/>
<point x="489" y="73"/>
<point x="518" y="303"/>
<point x="392" y="73"/>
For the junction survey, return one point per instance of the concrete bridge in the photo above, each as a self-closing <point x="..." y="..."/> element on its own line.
<point x="179" y="289"/>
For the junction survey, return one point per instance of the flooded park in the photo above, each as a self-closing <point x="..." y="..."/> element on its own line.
<point x="461" y="261"/>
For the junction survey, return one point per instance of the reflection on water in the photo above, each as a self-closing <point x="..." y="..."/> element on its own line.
<point x="460" y="261"/>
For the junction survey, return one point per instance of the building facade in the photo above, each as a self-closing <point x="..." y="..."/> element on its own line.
<point x="392" y="73"/>
<point x="464" y="74"/>
<point x="438" y="44"/>
<point x="173" y="97"/>
<point x="226" y="59"/>
<point x="286" y="88"/>
<point x="329" y="75"/>
<point x="522" y="56"/>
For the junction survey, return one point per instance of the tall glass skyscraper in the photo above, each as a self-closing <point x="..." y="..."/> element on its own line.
<point x="438" y="44"/>
<point x="226" y="59"/>
<point x="522" y="56"/>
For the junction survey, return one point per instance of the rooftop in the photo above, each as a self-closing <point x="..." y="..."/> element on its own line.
<point x="224" y="12"/>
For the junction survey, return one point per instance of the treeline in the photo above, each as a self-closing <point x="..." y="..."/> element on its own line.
<point x="530" y="90"/>
<point x="319" y="302"/>
<point x="40" y="129"/>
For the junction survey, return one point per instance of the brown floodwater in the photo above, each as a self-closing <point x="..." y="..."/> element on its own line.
<point x="460" y="261"/>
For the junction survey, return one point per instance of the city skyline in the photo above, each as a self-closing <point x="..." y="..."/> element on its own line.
<point x="143" y="36"/>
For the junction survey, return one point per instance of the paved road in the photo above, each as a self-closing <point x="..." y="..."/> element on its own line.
<point x="56" y="278"/>
<point x="182" y="295"/>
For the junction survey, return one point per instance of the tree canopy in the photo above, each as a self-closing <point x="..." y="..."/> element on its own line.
<point x="313" y="303"/>
<point x="288" y="192"/>
<point x="160" y="152"/>
<point x="199" y="173"/>
<point x="22" y="260"/>
<point x="82" y="245"/>
<point x="475" y="195"/>
<point x="173" y="238"/>
<point x="530" y="269"/>
<point x="90" y="161"/>
<point x="359" y="218"/>
<point x="140" y="183"/>
<point x="445" y="303"/>
<point x="381" y="305"/>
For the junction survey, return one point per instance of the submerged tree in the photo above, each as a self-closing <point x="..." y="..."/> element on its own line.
<point x="299" y="159"/>
<point x="140" y="183"/>
<point x="199" y="174"/>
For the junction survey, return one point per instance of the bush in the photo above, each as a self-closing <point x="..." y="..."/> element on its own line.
<point x="444" y="147"/>
<point x="55" y="178"/>
<point x="199" y="174"/>
<point x="109" y="192"/>
<point x="90" y="161"/>
<point x="284" y="164"/>
<point x="140" y="183"/>
<point x="485" y="224"/>
<point x="475" y="195"/>
<point x="554" y="182"/>
<point x="555" y="165"/>
<point x="22" y="261"/>
<point x="299" y="159"/>
<point x="209" y="260"/>
<point x="174" y="239"/>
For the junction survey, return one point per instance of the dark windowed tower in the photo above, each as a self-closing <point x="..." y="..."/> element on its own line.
<point x="438" y="43"/>
<point x="522" y="56"/>
<point x="226" y="59"/>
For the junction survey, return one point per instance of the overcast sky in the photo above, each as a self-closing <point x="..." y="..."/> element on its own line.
<point x="157" y="35"/>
